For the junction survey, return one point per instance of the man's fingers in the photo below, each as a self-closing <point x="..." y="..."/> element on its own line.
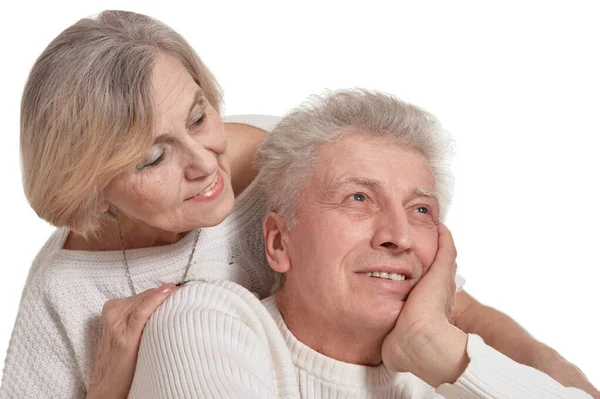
<point x="146" y="304"/>
<point x="439" y="281"/>
<point x="444" y="264"/>
<point x="446" y="248"/>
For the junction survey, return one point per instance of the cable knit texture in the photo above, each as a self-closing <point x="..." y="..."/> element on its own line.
<point x="217" y="340"/>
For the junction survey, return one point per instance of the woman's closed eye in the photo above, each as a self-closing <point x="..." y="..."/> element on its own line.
<point x="152" y="158"/>
<point x="198" y="122"/>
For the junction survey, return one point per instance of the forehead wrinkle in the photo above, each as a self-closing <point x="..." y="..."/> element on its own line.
<point x="170" y="95"/>
<point x="198" y="100"/>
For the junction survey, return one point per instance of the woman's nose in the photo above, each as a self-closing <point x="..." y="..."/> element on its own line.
<point x="204" y="151"/>
<point x="200" y="162"/>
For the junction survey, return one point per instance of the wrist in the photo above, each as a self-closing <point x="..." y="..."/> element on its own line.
<point x="441" y="355"/>
<point x="453" y="359"/>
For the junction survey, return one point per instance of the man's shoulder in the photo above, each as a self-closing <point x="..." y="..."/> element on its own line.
<point x="223" y="334"/>
<point x="219" y="299"/>
<point x="218" y="294"/>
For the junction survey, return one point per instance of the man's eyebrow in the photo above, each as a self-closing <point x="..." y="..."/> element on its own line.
<point x="366" y="182"/>
<point x="424" y="193"/>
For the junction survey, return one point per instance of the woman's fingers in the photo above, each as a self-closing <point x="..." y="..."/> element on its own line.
<point x="146" y="304"/>
<point x="122" y="323"/>
<point x="124" y="319"/>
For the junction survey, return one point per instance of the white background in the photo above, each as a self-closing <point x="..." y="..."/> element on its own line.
<point x="516" y="82"/>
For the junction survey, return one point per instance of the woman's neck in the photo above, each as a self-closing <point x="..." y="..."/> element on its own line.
<point x="136" y="234"/>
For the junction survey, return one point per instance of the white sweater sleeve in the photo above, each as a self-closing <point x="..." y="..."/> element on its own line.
<point x="491" y="375"/>
<point x="40" y="361"/>
<point x="212" y="340"/>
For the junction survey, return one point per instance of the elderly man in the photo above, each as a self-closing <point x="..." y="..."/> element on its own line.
<point x="358" y="184"/>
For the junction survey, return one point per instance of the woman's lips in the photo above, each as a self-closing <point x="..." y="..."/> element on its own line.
<point x="211" y="192"/>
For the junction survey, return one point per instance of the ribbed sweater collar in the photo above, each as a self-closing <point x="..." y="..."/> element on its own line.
<point x="325" y="368"/>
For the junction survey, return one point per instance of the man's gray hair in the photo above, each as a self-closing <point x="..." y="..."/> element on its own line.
<point x="287" y="155"/>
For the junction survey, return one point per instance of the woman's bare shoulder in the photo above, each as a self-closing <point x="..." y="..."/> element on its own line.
<point x="243" y="141"/>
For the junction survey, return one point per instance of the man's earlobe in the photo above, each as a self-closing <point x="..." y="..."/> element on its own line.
<point x="275" y="232"/>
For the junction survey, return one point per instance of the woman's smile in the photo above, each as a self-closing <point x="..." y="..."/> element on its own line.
<point x="211" y="192"/>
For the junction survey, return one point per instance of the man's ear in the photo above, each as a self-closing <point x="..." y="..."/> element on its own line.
<point x="275" y="233"/>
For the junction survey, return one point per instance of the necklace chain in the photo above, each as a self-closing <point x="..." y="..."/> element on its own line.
<point x="127" y="271"/>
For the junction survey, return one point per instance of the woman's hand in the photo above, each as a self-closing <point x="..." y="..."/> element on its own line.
<point x="424" y="342"/>
<point x="122" y="323"/>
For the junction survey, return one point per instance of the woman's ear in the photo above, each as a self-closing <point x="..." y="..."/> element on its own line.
<point x="275" y="233"/>
<point x="103" y="206"/>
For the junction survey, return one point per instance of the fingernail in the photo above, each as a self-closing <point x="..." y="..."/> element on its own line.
<point x="166" y="287"/>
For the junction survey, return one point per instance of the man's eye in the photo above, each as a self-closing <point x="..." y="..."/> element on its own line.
<point x="358" y="197"/>
<point x="423" y="210"/>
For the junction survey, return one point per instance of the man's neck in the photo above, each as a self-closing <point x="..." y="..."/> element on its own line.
<point x="339" y="342"/>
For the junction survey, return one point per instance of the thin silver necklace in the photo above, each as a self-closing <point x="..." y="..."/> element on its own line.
<point x="129" y="279"/>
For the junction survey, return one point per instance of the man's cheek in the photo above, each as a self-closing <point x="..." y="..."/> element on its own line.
<point x="427" y="248"/>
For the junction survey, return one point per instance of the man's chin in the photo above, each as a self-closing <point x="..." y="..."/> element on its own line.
<point x="385" y="318"/>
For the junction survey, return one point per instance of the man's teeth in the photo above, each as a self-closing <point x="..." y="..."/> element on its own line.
<point x="389" y="276"/>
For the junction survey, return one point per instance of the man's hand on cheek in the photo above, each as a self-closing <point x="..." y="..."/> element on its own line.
<point x="424" y="342"/>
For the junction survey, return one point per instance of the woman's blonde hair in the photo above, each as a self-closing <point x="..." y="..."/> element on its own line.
<point x="88" y="112"/>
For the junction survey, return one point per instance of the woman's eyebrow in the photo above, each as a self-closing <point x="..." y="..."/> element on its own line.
<point x="198" y="100"/>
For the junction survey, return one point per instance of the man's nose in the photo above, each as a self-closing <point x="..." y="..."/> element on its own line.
<point x="393" y="232"/>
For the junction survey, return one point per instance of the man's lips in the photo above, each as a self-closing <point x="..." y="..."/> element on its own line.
<point x="396" y="286"/>
<point x="389" y="272"/>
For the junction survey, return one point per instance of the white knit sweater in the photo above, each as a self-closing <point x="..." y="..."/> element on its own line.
<point x="53" y="345"/>
<point x="216" y="340"/>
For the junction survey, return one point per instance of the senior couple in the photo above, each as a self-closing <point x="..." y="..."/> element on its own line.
<point x="124" y="150"/>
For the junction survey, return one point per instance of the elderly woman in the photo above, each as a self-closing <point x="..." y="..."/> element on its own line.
<point x="123" y="149"/>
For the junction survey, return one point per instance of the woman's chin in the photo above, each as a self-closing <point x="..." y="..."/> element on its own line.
<point x="208" y="214"/>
